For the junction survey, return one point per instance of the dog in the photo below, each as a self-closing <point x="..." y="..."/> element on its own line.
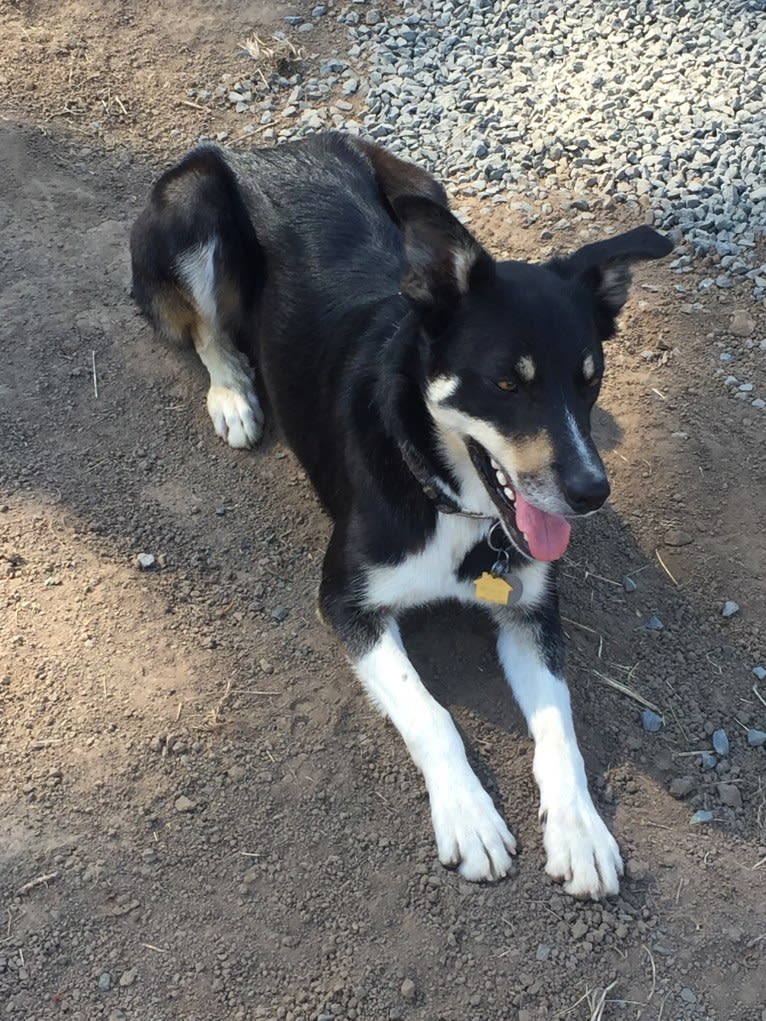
<point x="439" y="401"/>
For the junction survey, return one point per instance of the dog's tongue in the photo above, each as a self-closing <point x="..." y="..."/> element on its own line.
<point x="547" y="534"/>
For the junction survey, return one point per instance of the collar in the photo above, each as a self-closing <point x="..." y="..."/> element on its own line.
<point x="441" y="495"/>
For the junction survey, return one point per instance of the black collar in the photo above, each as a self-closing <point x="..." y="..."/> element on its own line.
<point x="436" y="490"/>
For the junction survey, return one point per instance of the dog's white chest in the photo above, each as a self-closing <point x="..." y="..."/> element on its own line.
<point x="432" y="574"/>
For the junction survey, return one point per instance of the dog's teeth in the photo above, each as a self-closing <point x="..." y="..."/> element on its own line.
<point x="509" y="493"/>
<point x="501" y="478"/>
<point x="494" y="463"/>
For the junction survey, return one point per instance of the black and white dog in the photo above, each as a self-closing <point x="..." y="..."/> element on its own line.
<point x="440" y="403"/>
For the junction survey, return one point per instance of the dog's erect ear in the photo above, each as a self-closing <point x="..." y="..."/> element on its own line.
<point x="444" y="261"/>
<point x="605" y="267"/>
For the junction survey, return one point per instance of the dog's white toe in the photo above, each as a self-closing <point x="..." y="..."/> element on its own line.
<point x="470" y="832"/>
<point x="581" y="852"/>
<point x="237" y="416"/>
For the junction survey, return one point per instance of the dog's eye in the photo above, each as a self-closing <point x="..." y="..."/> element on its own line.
<point x="509" y="385"/>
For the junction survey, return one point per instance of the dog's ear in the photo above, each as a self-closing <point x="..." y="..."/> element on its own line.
<point x="443" y="260"/>
<point x="604" y="267"/>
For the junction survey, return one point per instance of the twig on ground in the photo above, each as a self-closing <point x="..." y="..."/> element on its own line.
<point x="665" y="568"/>
<point x="95" y="377"/>
<point x="625" y="690"/>
<point x="40" y="881"/>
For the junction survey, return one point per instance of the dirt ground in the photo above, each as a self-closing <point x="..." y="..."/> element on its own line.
<point x="200" y="816"/>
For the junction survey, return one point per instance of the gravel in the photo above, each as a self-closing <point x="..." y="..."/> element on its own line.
<point x="654" y="104"/>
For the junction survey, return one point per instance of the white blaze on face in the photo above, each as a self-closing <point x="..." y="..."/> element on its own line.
<point x="588" y="368"/>
<point x="526" y="368"/>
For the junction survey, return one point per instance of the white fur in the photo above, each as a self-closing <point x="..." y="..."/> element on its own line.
<point x="469" y="831"/>
<point x="588" y="367"/>
<point x="584" y="450"/>
<point x="441" y="388"/>
<point x="580" y="849"/>
<point x="526" y="368"/>
<point x="430" y="575"/>
<point x="231" y="401"/>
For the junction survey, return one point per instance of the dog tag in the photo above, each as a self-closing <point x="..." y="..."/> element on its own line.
<point x="493" y="590"/>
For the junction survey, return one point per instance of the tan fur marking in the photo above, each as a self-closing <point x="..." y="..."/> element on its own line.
<point x="533" y="455"/>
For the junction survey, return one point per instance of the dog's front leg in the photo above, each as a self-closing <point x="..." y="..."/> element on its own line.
<point x="580" y="849"/>
<point x="470" y="833"/>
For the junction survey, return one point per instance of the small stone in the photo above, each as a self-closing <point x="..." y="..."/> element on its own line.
<point x="729" y="795"/>
<point x="756" y="738"/>
<point x="720" y="742"/>
<point x="543" y="952"/>
<point x="760" y="672"/>
<point x="687" y="995"/>
<point x="729" y="608"/>
<point x="759" y="403"/>
<point x="741" y="324"/>
<point x="279" y="613"/>
<point x="681" y="786"/>
<point x="128" y="977"/>
<point x="628" y="584"/>
<point x="702" y="815"/>
<point x="654" y="624"/>
<point x="145" y="561"/>
<point x="372" y="17"/>
<point x="266" y="667"/>
<point x="104" y="982"/>
<point x="726" y="357"/>
<point x="677" y="537"/>
<point x="184" y="804"/>
<point x="708" y="761"/>
<point x="408" y="990"/>
<point x="651" y="721"/>
<point x="117" y="1015"/>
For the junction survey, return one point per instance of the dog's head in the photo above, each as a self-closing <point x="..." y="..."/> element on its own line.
<point x="515" y="362"/>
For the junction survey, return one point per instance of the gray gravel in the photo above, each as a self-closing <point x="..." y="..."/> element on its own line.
<point x="655" y="104"/>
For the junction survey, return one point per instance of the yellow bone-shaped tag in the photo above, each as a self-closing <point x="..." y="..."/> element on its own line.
<point x="493" y="590"/>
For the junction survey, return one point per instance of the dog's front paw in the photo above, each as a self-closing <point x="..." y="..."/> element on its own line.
<point x="581" y="852"/>
<point x="470" y="832"/>
<point x="236" y="414"/>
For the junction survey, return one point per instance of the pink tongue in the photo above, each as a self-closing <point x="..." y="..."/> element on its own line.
<point x="547" y="534"/>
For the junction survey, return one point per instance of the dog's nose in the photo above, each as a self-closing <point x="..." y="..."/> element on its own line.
<point x="586" y="492"/>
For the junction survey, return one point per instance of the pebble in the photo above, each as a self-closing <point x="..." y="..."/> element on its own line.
<point x="184" y="804"/>
<point x="543" y="952"/>
<point x="702" y="815"/>
<point x="677" y="537"/>
<point x="729" y="608"/>
<point x="760" y="672"/>
<point x="720" y="742"/>
<point x="682" y="786"/>
<point x="408" y="990"/>
<point x="280" y="613"/>
<point x="654" y="624"/>
<point x="708" y="761"/>
<point x="756" y="738"/>
<point x="628" y="584"/>
<point x="104" y="982"/>
<point x="687" y="995"/>
<point x="128" y="977"/>
<point x="742" y="324"/>
<point x="651" y="721"/>
<point x="145" y="561"/>
<point x="729" y="795"/>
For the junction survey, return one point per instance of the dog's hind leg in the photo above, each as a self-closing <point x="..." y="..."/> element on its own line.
<point x="197" y="272"/>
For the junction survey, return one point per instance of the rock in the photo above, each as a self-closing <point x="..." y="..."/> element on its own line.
<point x="628" y="584"/>
<point x="654" y="624"/>
<point x="729" y="795"/>
<point x="145" y="561"/>
<point x="756" y="738"/>
<point x="741" y="324"/>
<point x="408" y="990"/>
<point x="720" y="742"/>
<point x="729" y="608"/>
<point x="760" y="672"/>
<point x="651" y="721"/>
<point x="708" y="761"/>
<point x="682" y="786"/>
<point x="183" y="804"/>
<point x="104" y="982"/>
<point x="687" y="995"/>
<point x="128" y="977"/>
<point x="701" y="816"/>
<point x="543" y="952"/>
<point x="677" y="537"/>
<point x="280" y="613"/>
